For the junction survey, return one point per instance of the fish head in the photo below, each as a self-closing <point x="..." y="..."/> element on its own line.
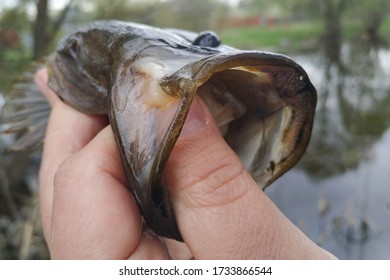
<point x="147" y="78"/>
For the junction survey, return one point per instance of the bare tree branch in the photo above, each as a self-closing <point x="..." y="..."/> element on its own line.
<point x="60" y="20"/>
<point x="40" y="38"/>
<point x="42" y="32"/>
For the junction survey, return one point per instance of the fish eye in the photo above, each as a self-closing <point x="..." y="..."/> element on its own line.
<point x="207" y="39"/>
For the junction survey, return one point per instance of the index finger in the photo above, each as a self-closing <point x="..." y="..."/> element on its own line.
<point x="41" y="80"/>
<point x="68" y="131"/>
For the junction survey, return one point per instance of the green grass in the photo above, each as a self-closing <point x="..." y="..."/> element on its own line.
<point x="281" y="36"/>
<point x="385" y="28"/>
<point x="294" y="37"/>
<point x="354" y="28"/>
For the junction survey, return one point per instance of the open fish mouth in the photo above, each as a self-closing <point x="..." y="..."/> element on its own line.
<point x="263" y="109"/>
<point x="145" y="79"/>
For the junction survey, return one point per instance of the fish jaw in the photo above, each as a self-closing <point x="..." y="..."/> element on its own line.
<point x="147" y="122"/>
<point x="263" y="104"/>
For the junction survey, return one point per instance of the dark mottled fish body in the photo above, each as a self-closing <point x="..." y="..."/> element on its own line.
<point x="145" y="79"/>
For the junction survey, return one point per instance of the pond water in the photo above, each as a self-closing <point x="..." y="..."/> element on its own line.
<point x="339" y="194"/>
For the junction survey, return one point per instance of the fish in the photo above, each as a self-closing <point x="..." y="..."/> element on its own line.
<point x="145" y="78"/>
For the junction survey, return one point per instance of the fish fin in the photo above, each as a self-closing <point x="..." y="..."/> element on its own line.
<point x="25" y="112"/>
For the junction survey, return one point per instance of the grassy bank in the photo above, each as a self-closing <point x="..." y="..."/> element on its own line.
<point x="272" y="37"/>
<point x="294" y="37"/>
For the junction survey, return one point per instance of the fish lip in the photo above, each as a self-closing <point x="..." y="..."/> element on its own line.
<point x="201" y="70"/>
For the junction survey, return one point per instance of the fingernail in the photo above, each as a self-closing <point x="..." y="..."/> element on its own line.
<point x="41" y="79"/>
<point x="195" y="121"/>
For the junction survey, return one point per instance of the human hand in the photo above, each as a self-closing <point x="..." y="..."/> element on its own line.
<point x="88" y="213"/>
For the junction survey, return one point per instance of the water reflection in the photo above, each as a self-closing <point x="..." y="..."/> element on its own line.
<point x="353" y="110"/>
<point x="340" y="193"/>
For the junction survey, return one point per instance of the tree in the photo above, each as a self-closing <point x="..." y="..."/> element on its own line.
<point x="46" y="29"/>
<point x="371" y="14"/>
<point x="332" y="12"/>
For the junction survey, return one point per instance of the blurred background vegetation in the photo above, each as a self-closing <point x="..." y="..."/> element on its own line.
<point x="306" y="29"/>
<point x="30" y="29"/>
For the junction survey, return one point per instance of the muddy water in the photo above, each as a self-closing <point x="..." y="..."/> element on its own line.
<point x="339" y="194"/>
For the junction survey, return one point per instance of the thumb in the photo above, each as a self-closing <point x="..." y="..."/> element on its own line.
<point x="209" y="186"/>
<point x="221" y="211"/>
